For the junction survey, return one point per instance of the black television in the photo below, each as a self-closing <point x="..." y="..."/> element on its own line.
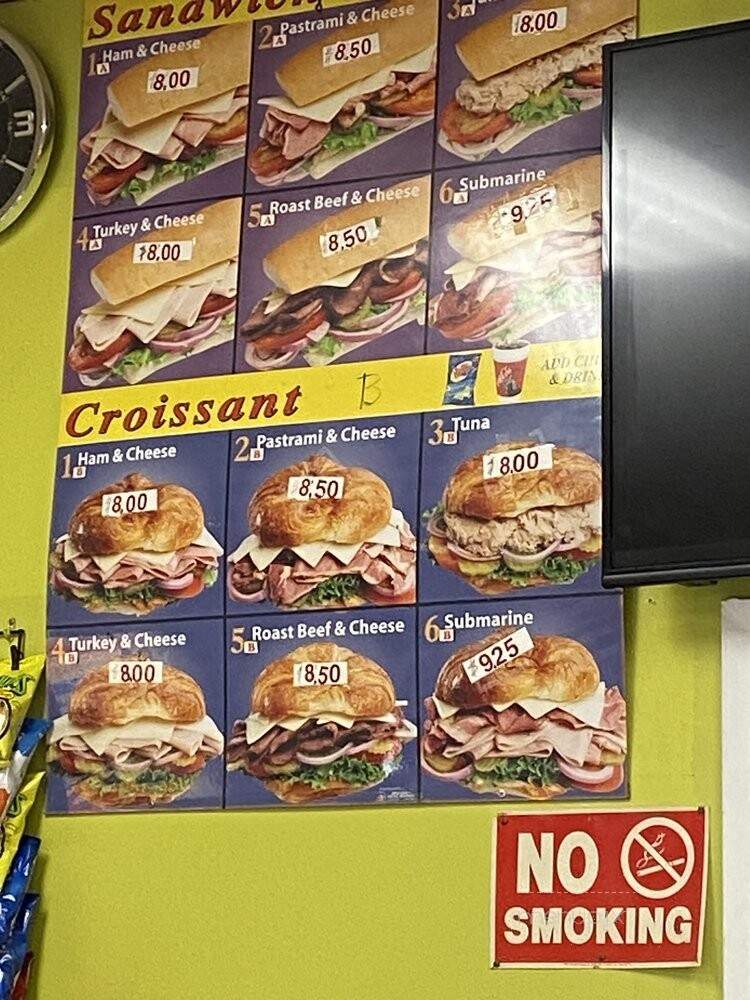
<point x="676" y="307"/>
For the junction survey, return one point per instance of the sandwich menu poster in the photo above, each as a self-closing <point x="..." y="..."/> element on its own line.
<point x="327" y="514"/>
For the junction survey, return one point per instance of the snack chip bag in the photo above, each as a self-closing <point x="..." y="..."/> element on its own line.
<point x="11" y="830"/>
<point x="461" y="379"/>
<point x="11" y="778"/>
<point x="16" y="884"/>
<point x="16" y="691"/>
<point x="21" y="984"/>
<point x="13" y="955"/>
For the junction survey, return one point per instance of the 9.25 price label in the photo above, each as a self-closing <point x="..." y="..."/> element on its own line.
<point x="129" y="502"/>
<point x="516" y="213"/>
<point x="315" y="487"/>
<point x="163" y="251"/>
<point x="339" y="240"/>
<point x="497" y="464"/>
<point x="320" y="673"/>
<point x="497" y="655"/>
<point x="162" y="81"/>
<point x="353" y="48"/>
<point x="534" y="22"/>
<point x="135" y="671"/>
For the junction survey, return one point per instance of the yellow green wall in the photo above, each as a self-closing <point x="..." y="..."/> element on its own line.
<point x="360" y="903"/>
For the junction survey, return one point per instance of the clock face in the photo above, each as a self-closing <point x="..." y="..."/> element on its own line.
<point x="25" y="126"/>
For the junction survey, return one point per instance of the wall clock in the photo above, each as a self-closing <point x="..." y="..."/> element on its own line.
<point x="26" y="110"/>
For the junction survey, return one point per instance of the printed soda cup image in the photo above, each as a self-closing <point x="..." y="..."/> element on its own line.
<point x="510" y="366"/>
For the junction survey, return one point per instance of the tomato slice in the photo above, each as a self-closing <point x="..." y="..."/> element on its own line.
<point x="491" y="308"/>
<point x="590" y="76"/>
<point x="273" y="341"/>
<point x="610" y="785"/>
<point x="465" y="126"/>
<point x="387" y="293"/>
<point x="109" y="179"/>
<point x="421" y="102"/>
<point x="192" y="589"/>
<point x="214" y="302"/>
<point x="233" y="129"/>
<point x="408" y="597"/>
<point x="265" y="161"/>
<point x="579" y="554"/>
<point x="83" y="358"/>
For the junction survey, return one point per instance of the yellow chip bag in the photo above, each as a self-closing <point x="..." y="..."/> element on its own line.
<point x="12" y="829"/>
<point x="17" y="688"/>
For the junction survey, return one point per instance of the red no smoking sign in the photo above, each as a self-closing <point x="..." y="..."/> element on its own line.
<point x="603" y="887"/>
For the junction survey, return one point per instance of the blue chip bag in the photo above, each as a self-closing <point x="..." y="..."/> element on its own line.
<point x="461" y="379"/>
<point x="11" y="777"/>
<point x="16" y="884"/>
<point x="13" y="954"/>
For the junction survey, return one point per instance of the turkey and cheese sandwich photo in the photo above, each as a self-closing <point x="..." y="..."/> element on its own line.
<point x="345" y="94"/>
<point x="541" y="725"/>
<point x="151" y="315"/>
<point x="169" y="118"/>
<point x="134" y="744"/>
<point x="310" y="741"/>
<point x="112" y="561"/>
<point x="324" y="304"/>
<point x="324" y="535"/>
<point x="501" y="530"/>
<point x="527" y="69"/>
<point x="512" y="279"/>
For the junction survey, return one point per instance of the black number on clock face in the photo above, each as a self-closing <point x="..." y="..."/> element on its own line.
<point x="18" y="122"/>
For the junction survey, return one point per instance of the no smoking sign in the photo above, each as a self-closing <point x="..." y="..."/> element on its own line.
<point x="619" y="887"/>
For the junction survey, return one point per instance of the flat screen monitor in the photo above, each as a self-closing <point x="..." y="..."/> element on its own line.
<point x="676" y="307"/>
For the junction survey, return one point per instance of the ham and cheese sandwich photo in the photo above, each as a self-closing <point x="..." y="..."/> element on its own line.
<point x="524" y="265"/>
<point x="531" y="68"/>
<point x="354" y="282"/>
<point x="519" y="713"/>
<point x="344" y="95"/>
<point x="323" y="535"/>
<point x="167" y="119"/>
<point x="162" y="300"/>
<point x="134" y="547"/>
<point x="323" y="722"/>
<point x="128" y="743"/>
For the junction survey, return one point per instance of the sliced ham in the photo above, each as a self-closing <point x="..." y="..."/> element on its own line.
<point x="120" y="155"/>
<point x="192" y="131"/>
<point x="296" y="136"/>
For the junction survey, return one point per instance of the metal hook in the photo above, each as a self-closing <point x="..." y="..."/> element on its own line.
<point x="16" y="639"/>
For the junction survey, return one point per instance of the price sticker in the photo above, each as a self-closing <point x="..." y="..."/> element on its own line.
<point x="497" y="464"/>
<point x="353" y="48"/>
<point x="163" y="251"/>
<point x="129" y="502"/>
<point x="534" y="22"/>
<point x="317" y="674"/>
<point x="516" y="213"/>
<point x="162" y="81"/>
<point x="346" y="239"/>
<point x="135" y="671"/>
<point x="498" y="654"/>
<point x="315" y="487"/>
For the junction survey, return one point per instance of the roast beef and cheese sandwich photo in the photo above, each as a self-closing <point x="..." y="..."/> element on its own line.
<point x="520" y="81"/>
<point x="324" y="305"/>
<point x="526" y="529"/>
<point x="542" y="725"/>
<point x="347" y="93"/>
<point x="344" y="551"/>
<point x="150" y="316"/>
<point x="131" y="744"/>
<point x="320" y="741"/>
<point x="169" y="118"/>
<point x="135" y="563"/>
<point x="513" y="279"/>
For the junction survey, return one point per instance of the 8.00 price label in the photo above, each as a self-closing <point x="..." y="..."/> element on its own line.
<point x="515" y="213"/>
<point x="135" y="671"/>
<point x="129" y="502"/>
<point x="353" y="48"/>
<point x="497" y="464"/>
<point x="163" y="251"/>
<point x="534" y="22"/>
<point x="162" y="81"/>
<point x="352" y="236"/>
<point x="318" y="674"/>
<point x="498" y="654"/>
<point x="315" y="487"/>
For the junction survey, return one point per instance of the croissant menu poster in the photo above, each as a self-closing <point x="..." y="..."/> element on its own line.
<point x="327" y="514"/>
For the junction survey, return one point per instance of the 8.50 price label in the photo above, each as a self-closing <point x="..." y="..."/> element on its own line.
<point x="163" y="251"/>
<point x="135" y="671"/>
<point x="339" y="240"/>
<point x="353" y="48"/>
<point x="498" y="654"/>
<point x="317" y="674"/>
<point x="315" y="487"/>
<point x="129" y="502"/>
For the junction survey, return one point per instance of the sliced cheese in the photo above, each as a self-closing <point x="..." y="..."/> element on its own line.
<point x="102" y="331"/>
<point x="151" y="730"/>
<point x="108" y="563"/>
<point x="326" y="109"/>
<point x="150" y="137"/>
<point x="588" y="710"/>
<point x="145" y="308"/>
<point x="189" y="303"/>
<point x="212" y="106"/>
<point x="257" y="725"/>
<point x="312" y="552"/>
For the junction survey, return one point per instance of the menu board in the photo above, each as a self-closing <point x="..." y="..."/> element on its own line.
<point x="327" y="512"/>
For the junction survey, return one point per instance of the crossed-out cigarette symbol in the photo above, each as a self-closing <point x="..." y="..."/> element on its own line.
<point x="650" y="836"/>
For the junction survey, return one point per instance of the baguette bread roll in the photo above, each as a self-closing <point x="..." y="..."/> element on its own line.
<point x="118" y="279"/>
<point x="482" y="234"/>
<point x="304" y="78"/>
<point x="223" y="62"/>
<point x="492" y="48"/>
<point x="298" y="263"/>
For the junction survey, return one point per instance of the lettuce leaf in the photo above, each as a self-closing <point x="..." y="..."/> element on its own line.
<point x="346" y="141"/>
<point x="337" y="589"/>
<point x="184" y="169"/>
<point x="556" y="569"/>
<point x="138" y="358"/>
<point x="539" y="771"/>
<point x="539" y="110"/>
<point x="349" y="769"/>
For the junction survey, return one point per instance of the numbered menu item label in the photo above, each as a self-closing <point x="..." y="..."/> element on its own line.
<point x="135" y="671"/>
<point x="129" y="502"/>
<point x="496" y="464"/>
<point x="498" y="654"/>
<point x="313" y="674"/>
<point x="534" y="22"/>
<point x="354" y="48"/>
<point x="315" y="487"/>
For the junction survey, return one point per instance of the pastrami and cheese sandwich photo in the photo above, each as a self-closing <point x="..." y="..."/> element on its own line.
<point x="323" y="534"/>
<point x="352" y="283"/>
<point x="317" y="106"/>
<point x="531" y="71"/>
<point x="134" y="547"/>
<point x="167" y="119"/>
<point x="159" y="301"/>
<point x="525" y="265"/>
<point x="517" y="713"/>
<point x="323" y="722"/>
<point x="129" y="743"/>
